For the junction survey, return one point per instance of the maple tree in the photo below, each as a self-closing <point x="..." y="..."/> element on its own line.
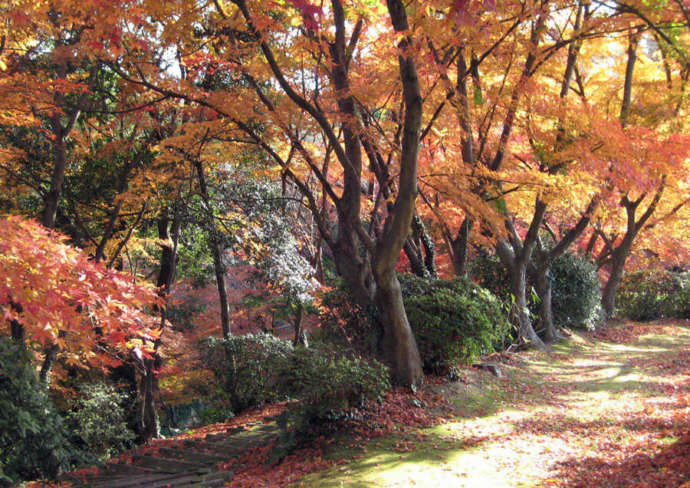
<point x="300" y="140"/>
<point x="55" y="299"/>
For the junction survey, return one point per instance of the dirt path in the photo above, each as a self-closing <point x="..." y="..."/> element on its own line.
<point x="597" y="412"/>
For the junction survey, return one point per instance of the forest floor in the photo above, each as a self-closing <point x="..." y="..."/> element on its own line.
<point x="608" y="409"/>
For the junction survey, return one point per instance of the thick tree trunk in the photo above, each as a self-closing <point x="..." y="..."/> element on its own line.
<point x="353" y="268"/>
<point x="400" y="347"/>
<point x="544" y="289"/>
<point x="149" y="422"/>
<point x="608" y="295"/>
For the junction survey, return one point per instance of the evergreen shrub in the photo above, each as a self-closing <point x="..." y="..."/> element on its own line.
<point x="33" y="440"/>
<point x="248" y="367"/>
<point x="454" y="321"/>
<point x="576" y="292"/>
<point x="653" y="294"/>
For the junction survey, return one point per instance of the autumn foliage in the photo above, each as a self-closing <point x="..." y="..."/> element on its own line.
<point x="97" y="316"/>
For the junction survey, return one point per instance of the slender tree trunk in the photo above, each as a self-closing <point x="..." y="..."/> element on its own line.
<point x="218" y="267"/>
<point x="169" y="233"/>
<point x="414" y="256"/>
<point x="56" y="181"/>
<point x="17" y="330"/>
<point x="300" y="338"/>
<point x="460" y="248"/>
<point x="426" y="245"/>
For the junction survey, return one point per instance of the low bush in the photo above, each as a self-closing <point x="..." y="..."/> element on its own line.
<point x="454" y="321"/>
<point x="329" y="386"/>
<point x="248" y="367"/>
<point x="654" y="293"/>
<point x="576" y="292"/>
<point x="33" y="442"/>
<point x="99" y="422"/>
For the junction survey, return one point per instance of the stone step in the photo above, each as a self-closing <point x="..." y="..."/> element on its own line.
<point x="167" y="465"/>
<point x="151" y="481"/>
<point x="228" y="450"/>
<point x="192" y="455"/>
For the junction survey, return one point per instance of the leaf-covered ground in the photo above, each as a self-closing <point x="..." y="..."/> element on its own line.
<point x="610" y="409"/>
<point x="605" y="410"/>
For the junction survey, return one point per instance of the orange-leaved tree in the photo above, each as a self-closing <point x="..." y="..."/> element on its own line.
<point x="54" y="299"/>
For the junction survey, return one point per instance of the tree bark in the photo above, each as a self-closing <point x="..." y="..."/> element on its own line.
<point x="460" y="248"/>
<point x="399" y="343"/>
<point x="544" y="289"/>
<point x="300" y="338"/>
<point x="218" y="267"/>
<point x="169" y="233"/>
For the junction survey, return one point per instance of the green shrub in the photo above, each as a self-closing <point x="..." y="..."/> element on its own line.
<point x="454" y="321"/>
<point x="247" y="367"/>
<point x="33" y="443"/>
<point x="99" y="421"/>
<point x="329" y="386"/>
<point x="576" y="292"/>
<point x="654" y="293"/>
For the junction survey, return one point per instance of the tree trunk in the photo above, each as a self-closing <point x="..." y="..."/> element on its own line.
<point x="149" y="422"/>
<point x="169" y="233"/>
<point x="218" y="267"/>
<point x="526" y="332"/>
<point x="460" y="248"/>
<point x="608" y="295"/>
<point x="300" y="334"/>
<point x="426" y="245"/>
<point x="414" y="256"/>
<point x="544" y="289"/>
<point x="56" y="181"/>
<point x="400" y="347"/>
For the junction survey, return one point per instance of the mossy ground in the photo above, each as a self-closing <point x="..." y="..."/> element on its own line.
<point x="597" y="410"/>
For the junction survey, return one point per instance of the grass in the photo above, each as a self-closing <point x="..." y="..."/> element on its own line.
<point x="590" y="413"/>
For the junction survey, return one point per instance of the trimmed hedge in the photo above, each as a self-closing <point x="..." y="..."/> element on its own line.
<point x="576" y="292"/>
<point x="454" y="321"/>
<point x="653" y="294"/>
